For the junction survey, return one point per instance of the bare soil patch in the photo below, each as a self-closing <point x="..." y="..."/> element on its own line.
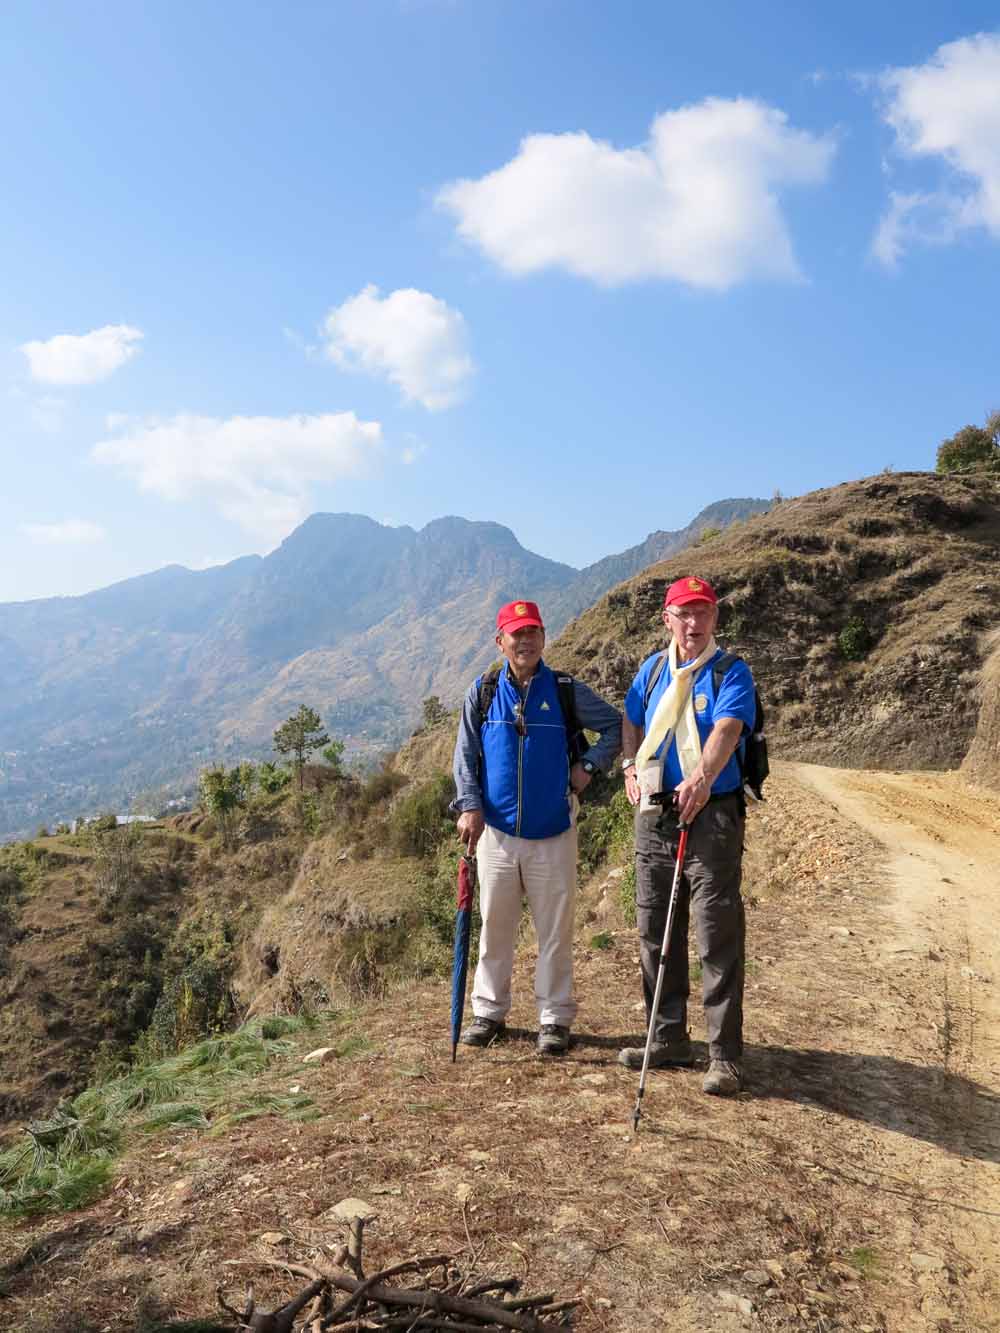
<point x="854" y="1186"/>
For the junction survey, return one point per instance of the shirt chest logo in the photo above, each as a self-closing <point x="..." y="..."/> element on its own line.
<point x="700" y="703"/>
<point x="544" y="708"/>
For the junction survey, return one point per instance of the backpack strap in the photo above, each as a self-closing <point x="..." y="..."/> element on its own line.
<point x="488" y="683"/>
<point x="567" y="702"/>
<point x="654" y="676"/>
<point x="719" y="668"/>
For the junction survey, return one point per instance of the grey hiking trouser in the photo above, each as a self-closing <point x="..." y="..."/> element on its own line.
<point x="710" y="885"/>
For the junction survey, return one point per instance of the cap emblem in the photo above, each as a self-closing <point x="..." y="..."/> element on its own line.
<point x="694" y="585"/>
<point x="520" y="609"/>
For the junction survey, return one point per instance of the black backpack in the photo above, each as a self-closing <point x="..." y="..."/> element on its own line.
<point x="752" y="754"/>
<point x="577" y="744"/>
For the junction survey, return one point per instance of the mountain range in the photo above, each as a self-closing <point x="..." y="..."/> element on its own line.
<point x="131" y="688"/>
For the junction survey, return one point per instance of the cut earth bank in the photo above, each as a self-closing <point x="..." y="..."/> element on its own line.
<point x="854" y="1186"/>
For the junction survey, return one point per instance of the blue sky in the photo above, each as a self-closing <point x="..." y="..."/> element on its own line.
<point x="578" y="268"/>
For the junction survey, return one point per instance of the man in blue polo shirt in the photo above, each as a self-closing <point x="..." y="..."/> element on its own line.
<point x="695" y="727"/>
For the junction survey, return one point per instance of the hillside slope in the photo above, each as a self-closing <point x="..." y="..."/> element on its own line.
<point x="899" y="569"/>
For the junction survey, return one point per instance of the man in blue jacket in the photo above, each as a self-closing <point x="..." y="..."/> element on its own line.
<point x="694" y="724"/>
<point x="517" y="798"/>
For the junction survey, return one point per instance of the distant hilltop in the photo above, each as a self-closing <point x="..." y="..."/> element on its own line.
<point x="132" y="688"/>
<point x="868" y="612"/>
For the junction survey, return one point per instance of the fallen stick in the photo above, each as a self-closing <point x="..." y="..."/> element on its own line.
<point x="527" y="1302"/>
<point x="410" y="1266"/>
<point x="405" y="1321"/>
<point x="511" y="1284"/>
<point x="436" y="1303"/>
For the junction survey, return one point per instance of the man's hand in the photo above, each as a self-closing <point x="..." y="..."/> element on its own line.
<point x="470" y="828"/>
<point x="692" y="796"/>
<point x="632" y="786"/>
<point x="579" y="778"/>
<point x="694" y="791"/>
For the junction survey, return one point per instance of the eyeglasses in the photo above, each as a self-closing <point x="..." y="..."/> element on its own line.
<point x="690" y="614"/>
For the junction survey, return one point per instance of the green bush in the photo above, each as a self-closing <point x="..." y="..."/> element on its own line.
<point x="272" y="778"/>
<point x="438" y="898"/>
<point x="305" y="808"/>
<point x="120" y="860"/>
<point x="972" y="449"/>
<point x="421" y="820"/>
<point x="605" y="829"/>
<point x="361" y="810"/>
<point x="125" y="974"/>
<point x="223" y="794"/>
<point x="196" y="998"/>
<point x="854" y="640"/>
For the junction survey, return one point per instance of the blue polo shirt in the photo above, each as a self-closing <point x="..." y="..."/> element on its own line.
<point x="735" y="699"/>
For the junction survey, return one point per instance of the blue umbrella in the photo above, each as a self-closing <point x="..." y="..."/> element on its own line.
<point x="463" y="929"/>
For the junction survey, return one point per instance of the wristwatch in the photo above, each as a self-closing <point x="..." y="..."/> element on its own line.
<point x="588" y="766"/>
<point x="627" y="764"/>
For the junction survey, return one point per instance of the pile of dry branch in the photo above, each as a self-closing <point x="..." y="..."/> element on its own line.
<point x="339" y="1296"/>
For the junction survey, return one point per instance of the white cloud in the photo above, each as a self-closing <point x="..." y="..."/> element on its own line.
<point x="927" y="219"/>
<point x="697" y="203"/>
<point x="949" y="109"/>
<point x="70" y="532"/>
<point x="257" y="471"/>
<point x="82" y="358"/>
<point x="413" y="339"/>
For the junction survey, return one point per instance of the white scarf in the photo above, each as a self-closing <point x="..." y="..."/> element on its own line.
<point x="674" y="715"/>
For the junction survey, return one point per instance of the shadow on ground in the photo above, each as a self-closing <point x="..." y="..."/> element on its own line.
<point x="921" y="1101"/>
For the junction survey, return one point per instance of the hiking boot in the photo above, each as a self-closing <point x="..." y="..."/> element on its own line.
<point x="482" y="1031"/>
<point x="724" y="1077"/>
<point x="553" y="1039"/>
<point x="673" y="1054"/>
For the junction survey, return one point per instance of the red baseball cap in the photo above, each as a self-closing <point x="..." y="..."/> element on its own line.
<point x="689" y="590"/>
<point x="516" y="615"/>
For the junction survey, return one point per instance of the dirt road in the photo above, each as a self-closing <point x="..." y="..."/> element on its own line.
<point x="940" y="944"/>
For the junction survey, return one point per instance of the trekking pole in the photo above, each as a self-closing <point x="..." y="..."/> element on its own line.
<point x="671" y="909"/>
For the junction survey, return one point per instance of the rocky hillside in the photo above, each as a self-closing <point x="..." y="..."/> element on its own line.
<point x="134" y="687"/>
<point x="982" y="763"/>
<point x="865" y="610"/>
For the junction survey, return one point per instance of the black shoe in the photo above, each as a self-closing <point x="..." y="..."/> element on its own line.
<point x="553" y="1039"/>
<point x="675" y="1054"/>
<point x="482" y="1031"/>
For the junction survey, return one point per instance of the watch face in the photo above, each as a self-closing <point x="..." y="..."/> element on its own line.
<point x="588" y="767"/>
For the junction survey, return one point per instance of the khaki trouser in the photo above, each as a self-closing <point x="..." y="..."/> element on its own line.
<point x="542" y="870"/>
<point x="710" y="888"/>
